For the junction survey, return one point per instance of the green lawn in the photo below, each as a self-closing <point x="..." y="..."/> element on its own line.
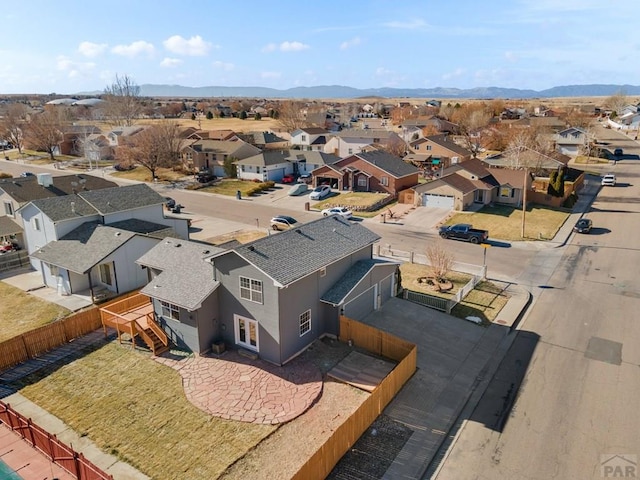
<point x="21" y="312"/>
<point x="230" y="187"/>
<point x="134" y="408"/>
<point x="505" y="223"/>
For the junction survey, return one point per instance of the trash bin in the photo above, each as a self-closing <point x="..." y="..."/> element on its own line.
<point x="307" y="207"/>
<point x="238" y="194"/>
<point x="383" y="218"/>
<point x="177" y="208"/>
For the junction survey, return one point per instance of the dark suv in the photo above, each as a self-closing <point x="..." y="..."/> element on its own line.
<point x="204" y="176"/>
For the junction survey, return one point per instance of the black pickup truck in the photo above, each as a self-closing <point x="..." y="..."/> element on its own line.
<point x="464" y="231"/>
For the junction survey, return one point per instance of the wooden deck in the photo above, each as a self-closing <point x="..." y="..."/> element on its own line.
<point x="362" y="371"/>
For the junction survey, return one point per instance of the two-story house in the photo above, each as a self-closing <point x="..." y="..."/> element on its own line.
<point x="437" y="151"/>
<point x="353" y="141"/>
<point x="571" y="141"/>
<point x="16" y="192"/>
<point x="273" y="296"/>
<point x="67" y="232"/>
<point x="212" y="154"/>
<point x="309" y="139"/>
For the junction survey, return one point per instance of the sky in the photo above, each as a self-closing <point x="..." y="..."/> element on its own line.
<point x="72" y="46"/>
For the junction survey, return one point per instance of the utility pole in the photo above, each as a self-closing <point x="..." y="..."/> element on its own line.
<point x="524" y="198"/>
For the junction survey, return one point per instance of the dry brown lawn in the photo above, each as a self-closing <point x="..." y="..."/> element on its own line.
<point x="21" y="312"/>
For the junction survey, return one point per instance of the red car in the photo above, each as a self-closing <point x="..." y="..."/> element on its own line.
<point x="288" y="179"/>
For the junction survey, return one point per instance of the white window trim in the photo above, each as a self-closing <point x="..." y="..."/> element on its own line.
<point x="171" y="309"/>
<point x="304" y="323"/>
<point x="36" y="223"/>
<point x="251" y="293"/>
<point x="109" y="276"/>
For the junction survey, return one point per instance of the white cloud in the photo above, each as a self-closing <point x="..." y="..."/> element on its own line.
<point x="90" y="49"/>
<point x="170" y="62"/>
<point x="270" y="75"/>
<point x="134" y="49"/>
<point x="285" y="47"/>
<point x="293" y="46"/>
<point x="73" y="69"/>
<point x="350" y="43"/>
<point x="381" y="72"/>
<point x="223" y="66"/>
<point x="193" y="47"/>
<point x="457" y="73"/>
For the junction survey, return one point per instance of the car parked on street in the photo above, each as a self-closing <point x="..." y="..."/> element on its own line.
<point x="27" y="174"/>
<point x="583" y="225"/>
<point x="282" y="222"/>
<point x="298" y="189"/>
<point x="464" y="231"/>
<point x="320" y="192"/>
<point x="342" y="211"/>
<point x="609" y="180"/>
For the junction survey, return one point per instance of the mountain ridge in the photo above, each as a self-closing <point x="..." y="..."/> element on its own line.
<point x="344" y="92"/>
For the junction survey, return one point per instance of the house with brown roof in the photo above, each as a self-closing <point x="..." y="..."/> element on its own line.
<point x="353" y="141"/>
<point x="373" y="171"/>
<point x="211" y="154"/>
<point x="309" y="138"/>
<point x="265" y="140"/>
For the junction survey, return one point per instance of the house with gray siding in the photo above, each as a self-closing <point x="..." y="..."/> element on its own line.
<point x="273" y="296"/>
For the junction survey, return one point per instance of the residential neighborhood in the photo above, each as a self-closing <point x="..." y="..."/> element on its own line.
<point x="162" y="232"/>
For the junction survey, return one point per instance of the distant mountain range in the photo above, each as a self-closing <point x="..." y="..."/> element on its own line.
<point x="338" y="91"/>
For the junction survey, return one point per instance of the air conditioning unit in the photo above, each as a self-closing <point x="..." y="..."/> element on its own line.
<point x="45" y="179"/>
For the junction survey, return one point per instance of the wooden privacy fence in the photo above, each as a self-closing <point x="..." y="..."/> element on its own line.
<point x="320" y="464"/>
<point x="9" y="261"/>
<point x="58" y="452"/>
<point x="43" y="339"/>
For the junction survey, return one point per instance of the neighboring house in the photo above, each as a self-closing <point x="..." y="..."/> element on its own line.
<point x="307" y="162"/>
<point x="268" y="165"/>
<point x="554" y="124"/>
<point x="212" y="154"/>
<point x="441" y="149"/>
<point x="16" y="192"/>
<point x="353" y="141"/>
<point x="309" y="139"/>
<point x="75" y="137"/>
<point x="48" y="220"/>
<point x="571" y="141"/>
<point x="274" y="296"/>
<point x="375" y="171"/>
<point x="122" y="135"/>
<point x="98" y="259"/>
<point x="265" y="140"/>
<point x="520" y="157"/>
<point x="472" y="182"/>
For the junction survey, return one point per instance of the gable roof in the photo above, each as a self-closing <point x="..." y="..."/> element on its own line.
<point x="118" y="199"/>
<point x="508" y="176"/>
<point x="365" y="133"/>
<point x="312" y="131"/>
<point x="266" y="158"/>
<point x="338" y="293"/>
<point x="186" y="278"/>
<point x="523" y="157"/>
<point x="228" y="147"/>
<point x="90" y="243"/>
<point x="390" y="164"/>
<point x="443" y="141"/>
<point x="261" y="138"/>
<point x="293" y="254"/>
<point x="312" y="157"/>
<point x="8" y="226"/>
<point x="24" y="190"/>
<point x="63" y="208"/>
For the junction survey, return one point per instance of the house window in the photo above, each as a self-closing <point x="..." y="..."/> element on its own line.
<point x="257" y="169"/>
<point x="242" y="167"/>
<point x="506" y="192"/>
<point x="384" y="181"/>
<point x="428" y="147"/>
<point x="350" y="152"/>
<point x="105" y="273"/>
<point x="305" y="322"/>
<point x="170" y="311"/>
<point x="8" y="208"/>
<point x="36" y="224"/>
<point x="251" y="289"/>
<point x="362" y="181"/>
<point x="303" y="138"/>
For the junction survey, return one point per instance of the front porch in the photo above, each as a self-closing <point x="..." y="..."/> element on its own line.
<point x="134" y="316"/>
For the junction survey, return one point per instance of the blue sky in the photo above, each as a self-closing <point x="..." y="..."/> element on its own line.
<point x="70" y="46"/>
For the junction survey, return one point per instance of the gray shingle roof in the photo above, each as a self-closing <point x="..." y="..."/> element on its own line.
<point x="266" y="158"/>
<point x="187" y="277"/>
<point x="338" y="292"/>
<point x="391" y="164"/>
<point x="291" y="255"/>
<point x="313" y="157"/>
<point x="83" y="247"/>
<point x="119" y="199"/>
<point x="64" y="208"/>
<point x="24" y="190"/>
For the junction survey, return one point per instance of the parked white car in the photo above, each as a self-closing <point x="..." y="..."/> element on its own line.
<point x="298" y="189"/>
<point x="609" y="180"/>
<point x="320" y="192"/>
<point x="342" y="211"/>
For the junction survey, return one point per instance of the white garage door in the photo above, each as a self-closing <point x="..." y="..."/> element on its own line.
<point x="440" y="201"/>
<point x="361" y="306"/>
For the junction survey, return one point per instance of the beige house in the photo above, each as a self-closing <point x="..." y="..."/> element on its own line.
<point x="211" y="154"/>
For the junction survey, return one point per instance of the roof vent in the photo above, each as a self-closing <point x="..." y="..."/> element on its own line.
<point x="45" y="179"/>
<point x="118" y="234"/>
<point x="178" y="245"/>
<point x="206" y="252"/>
<point x="251" y="248"/>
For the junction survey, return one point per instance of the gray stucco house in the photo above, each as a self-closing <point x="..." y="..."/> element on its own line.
<point x="273" y="296"/>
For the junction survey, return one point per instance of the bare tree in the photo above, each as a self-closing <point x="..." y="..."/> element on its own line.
<point x="291" y="115"/>
<point x="470" y="118"/>
<point x="12" y="125"/>
<point x="440" y="260"/>
<point x="45" y="131"/>
<point x="616" y="101"/>
<point x="122" y="101"/>
<point x="155" y="147"/>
